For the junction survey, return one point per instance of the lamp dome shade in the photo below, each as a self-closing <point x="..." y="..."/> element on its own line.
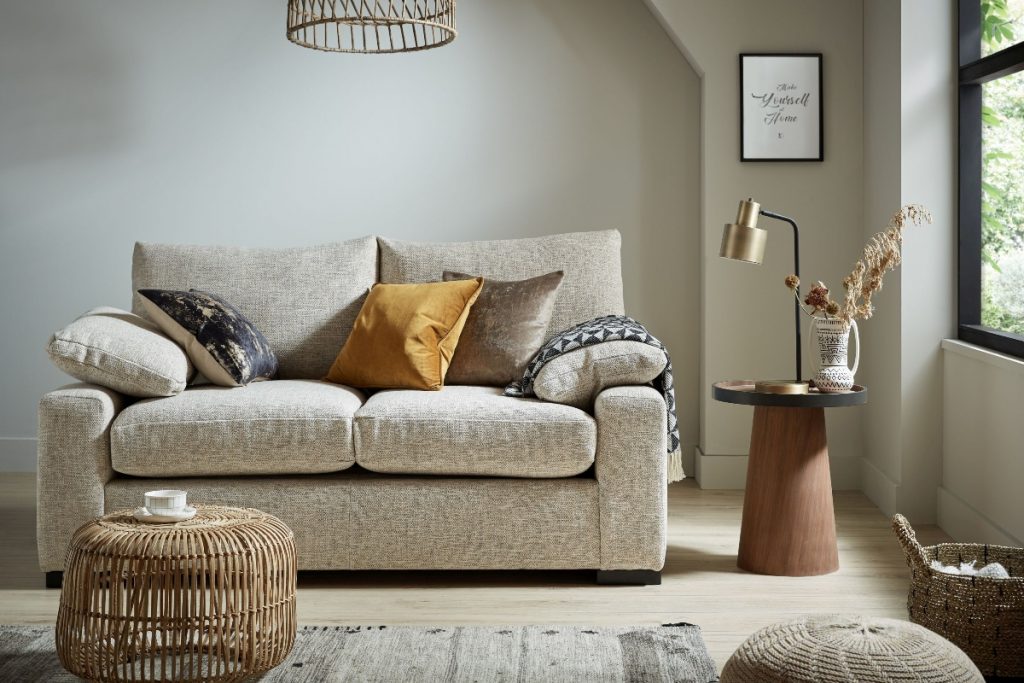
<point x="743" y="240"/>
<point x="743" y="243"/>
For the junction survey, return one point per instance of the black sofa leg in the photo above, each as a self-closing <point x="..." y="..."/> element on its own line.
<point x="629" y="577"/>
<point x="54" y="579"/>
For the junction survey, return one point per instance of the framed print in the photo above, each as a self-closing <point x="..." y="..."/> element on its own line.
<point x="781" y="107"/>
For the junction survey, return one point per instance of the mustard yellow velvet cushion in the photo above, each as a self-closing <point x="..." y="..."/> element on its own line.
<point x="405" y="335"/>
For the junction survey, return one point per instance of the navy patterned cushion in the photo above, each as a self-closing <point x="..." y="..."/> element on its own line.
<point x="223" y="345"/>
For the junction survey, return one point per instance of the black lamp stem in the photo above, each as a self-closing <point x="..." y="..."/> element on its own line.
<point x="796" y="271"/>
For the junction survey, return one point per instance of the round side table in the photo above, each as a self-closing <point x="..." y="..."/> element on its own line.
<point x="789" y="526"/>
<point x="209" y="599"/>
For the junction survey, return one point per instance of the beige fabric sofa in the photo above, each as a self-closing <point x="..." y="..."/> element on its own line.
<point x="464" y="478"/>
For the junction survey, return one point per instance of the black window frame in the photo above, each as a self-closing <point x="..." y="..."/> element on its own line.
<point x="974" y="71"/>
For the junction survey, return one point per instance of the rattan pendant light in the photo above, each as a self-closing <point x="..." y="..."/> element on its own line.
<point x="371" y="26"/>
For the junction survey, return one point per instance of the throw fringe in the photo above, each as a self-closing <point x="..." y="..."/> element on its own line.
<point x="675" y="466"/>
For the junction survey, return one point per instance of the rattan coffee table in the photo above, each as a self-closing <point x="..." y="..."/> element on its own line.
<point x="209" y="599"/>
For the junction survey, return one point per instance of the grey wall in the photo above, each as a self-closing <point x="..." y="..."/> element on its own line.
<point x="883" y="157"/>
<point x="979" y="499"/>
<point x="198" y="122"/>
<point x="747" y="325"/>
<point x="910" y="157"/>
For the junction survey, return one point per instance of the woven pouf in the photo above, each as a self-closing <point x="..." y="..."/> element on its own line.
<point x="210" y="599"/>
<point x="833" y="648"/>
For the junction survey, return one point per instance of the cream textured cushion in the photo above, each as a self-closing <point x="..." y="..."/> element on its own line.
<point x="277" y="427"/>
<point x="304" y="300"/>
<point x="592" y="285"/>
<point x="121" y="351"/>
<point x="577" y="377"/>
<point x="472" y="430"/>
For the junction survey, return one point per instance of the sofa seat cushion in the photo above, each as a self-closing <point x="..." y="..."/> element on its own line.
<point x="468" y="430"/>
<point x="276" y="427"/>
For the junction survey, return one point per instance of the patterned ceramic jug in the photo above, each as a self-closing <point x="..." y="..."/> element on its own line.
<point x="832" y="373"/>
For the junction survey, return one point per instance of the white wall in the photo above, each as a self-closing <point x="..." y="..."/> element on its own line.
<point x="198" y="122"/>
<point x="982" y="468"/>
<point x="747" y="323"/>
<point x="880" y="363"/>
<point x="910" y="157"/>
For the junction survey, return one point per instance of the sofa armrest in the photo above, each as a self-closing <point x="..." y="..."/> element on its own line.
<point x="632" y="471"/>
<point x="73" y="464"/>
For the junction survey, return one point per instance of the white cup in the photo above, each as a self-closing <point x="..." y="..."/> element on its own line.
<point x="165" y="501"/>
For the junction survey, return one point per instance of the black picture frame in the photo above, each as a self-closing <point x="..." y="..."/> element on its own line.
<point x="747" y="154"/>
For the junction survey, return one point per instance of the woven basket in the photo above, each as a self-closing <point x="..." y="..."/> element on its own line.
<point x="983" y="616"/>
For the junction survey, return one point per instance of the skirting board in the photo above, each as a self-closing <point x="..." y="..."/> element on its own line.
<point x="964" y="523"/>
<point x="689" y="466"/>
<point x="730" y="471"/>
<point x="879" y="488"/>
<point x="17" y="454"/>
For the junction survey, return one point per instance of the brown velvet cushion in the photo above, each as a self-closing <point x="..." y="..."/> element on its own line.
<point x="505" y="329"/>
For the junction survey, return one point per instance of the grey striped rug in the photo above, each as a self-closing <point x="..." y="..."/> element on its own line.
<point x="386" y="654"/>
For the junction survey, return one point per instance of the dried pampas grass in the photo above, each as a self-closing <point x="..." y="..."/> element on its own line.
<point x="882" y="254"/>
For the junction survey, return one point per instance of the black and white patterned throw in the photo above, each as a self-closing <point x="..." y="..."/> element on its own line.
<point x="596" y="331"/>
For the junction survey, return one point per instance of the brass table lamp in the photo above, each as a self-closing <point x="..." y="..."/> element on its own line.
<point x="744" y="241"/>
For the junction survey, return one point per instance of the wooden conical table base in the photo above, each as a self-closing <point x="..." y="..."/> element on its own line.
<point x="789" y="527"/>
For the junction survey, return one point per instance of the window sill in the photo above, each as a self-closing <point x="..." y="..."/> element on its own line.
<point x="987" y="356"/>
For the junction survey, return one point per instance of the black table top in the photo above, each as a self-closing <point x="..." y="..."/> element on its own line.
<point x="742" y="392"/>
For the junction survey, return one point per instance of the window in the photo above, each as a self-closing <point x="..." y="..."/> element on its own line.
<point x="991" y="259"/>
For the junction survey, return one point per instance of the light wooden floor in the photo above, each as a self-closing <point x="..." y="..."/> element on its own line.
<point x="701" y="582"/>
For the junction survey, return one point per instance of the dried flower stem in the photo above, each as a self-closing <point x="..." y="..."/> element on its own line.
<point x="809" y="310"/>
<point x="882" y="254"/>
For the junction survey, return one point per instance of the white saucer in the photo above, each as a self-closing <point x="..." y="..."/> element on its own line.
<point x="144" y="515"/>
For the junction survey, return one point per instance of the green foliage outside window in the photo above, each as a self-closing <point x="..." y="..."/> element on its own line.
<point x="1002" y="213"/>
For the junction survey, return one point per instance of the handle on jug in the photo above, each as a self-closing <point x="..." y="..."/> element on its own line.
<point x="856" y="338"/>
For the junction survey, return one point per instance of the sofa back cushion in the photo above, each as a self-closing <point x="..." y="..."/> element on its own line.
<point x="592" y="285"/>
<point x="304" y="300"/>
